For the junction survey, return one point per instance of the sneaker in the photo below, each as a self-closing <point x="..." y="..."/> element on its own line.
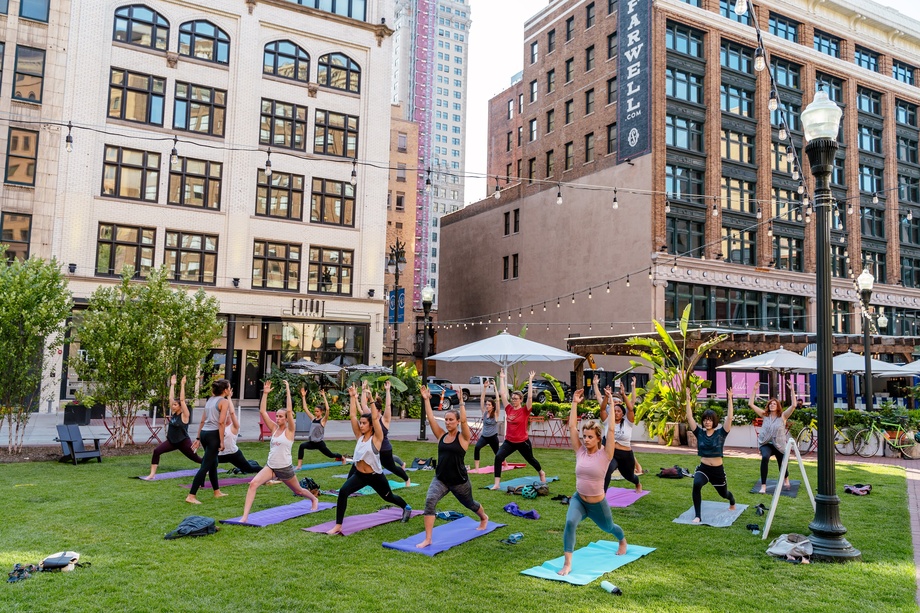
<point x="407" y="514"/>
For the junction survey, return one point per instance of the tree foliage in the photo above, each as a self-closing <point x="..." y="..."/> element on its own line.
<point x="137" y="334"/>
<point x="665" y="395"/>
<point x="34" y="306"/>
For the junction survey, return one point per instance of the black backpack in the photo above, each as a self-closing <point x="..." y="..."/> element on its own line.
<point x="193" y="525"/>
<point x="309" y="484"/>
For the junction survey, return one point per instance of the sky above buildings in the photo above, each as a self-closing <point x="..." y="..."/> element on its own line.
<point x="496" y="53"/>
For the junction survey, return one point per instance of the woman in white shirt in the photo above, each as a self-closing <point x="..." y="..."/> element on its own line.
<point x="621" y="424"/>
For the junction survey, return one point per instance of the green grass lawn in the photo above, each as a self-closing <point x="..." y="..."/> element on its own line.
<point x="118" y="523"/>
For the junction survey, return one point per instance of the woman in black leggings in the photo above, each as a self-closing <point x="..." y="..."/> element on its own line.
<point x="367" y="467"/>
<point x="710" y="441"/>
<point x="231" y="453"/>
<point x="317" y="431"/>
<point x="211" y="437"/>
<point x="516" y="437"/>
<point x="176" y="432"/>
<point x="489" y="434"/>
<point x="386" y="449"/>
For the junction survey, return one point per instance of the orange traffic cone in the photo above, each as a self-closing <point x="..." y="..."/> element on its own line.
<point x="441" y="404"/>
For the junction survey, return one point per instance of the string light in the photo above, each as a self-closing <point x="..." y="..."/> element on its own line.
<point x="589" y="294"/>
<point x="616" y="204"/>
<point x="557" y="303"/>
<point x="428" y="180"/>
<point x="544" y="307"/>
<point x="715" y="210"/>
<point x="497" y="194"/>
<point x="667" y="206"/>
<point x="783" y="135"/>
<point x="627" y="284"/>
<point x="759" y="61"/>
<point x="875" y="198"/>
<point x="741" y="7"/>
<point x="174" y="154"/>
<point x="573" y="298"/>
<point x="559" y="194"/>
<point x="773" y="104"/>
<point x="68" y="140"/>
<point x="354" y="172"/>
<point x="268" y="164"/>
<point x="608" y="284"/>
<point x="650" y="273"/>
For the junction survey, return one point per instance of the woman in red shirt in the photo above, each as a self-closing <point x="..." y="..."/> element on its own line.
<point x="516" y="439"/>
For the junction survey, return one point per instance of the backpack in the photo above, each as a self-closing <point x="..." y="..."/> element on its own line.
<point x="673" y="472"/>
<point x="424" y="463"/>
<point x="790" y="546"/>
<point x="62" y="561"/>
<point x="193" y="525"/>
<point x="529" y="491"/>
<point x="309" y="484"/>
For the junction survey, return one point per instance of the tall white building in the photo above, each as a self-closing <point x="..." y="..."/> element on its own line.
<point x="239" y="144"/>
<point x="430" y="59"/>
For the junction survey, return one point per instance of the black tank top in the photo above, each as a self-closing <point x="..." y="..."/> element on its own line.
<point x="451" y="468"/>
<point x="176" y="431"/>
<point x="385" y="445"/>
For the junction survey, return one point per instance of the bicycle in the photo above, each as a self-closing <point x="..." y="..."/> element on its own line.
<point x="868" y="440"/>
<point x="807" y="440"/>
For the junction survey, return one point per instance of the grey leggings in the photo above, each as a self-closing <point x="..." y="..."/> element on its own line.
<point x="599" y="512"/>
<point x="462" y="492"/>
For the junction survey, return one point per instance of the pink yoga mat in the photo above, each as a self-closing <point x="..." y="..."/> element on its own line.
<point x="623" y="497"/>
<point x="357" y="523"/>
<point x="223" y="482"/>
<point x="490" y="469"/>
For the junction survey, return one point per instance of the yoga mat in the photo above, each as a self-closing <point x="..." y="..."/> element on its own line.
<point x="357" y="523"/>
<point x="487" y="470"/>
<point x="177" y="474"/>
<point x="321" y="465"/>
<point x="276" y="515"/>
<point x="715" y="514"/>
<point x="445" y="536"/>
<point x="368" y="490"/>
<point x="223" y="482"/>
<point x="623" y="497"/>
<point x="522" y="481"/>
<point x="792" y="492"/>
<point x="589" y="563"/>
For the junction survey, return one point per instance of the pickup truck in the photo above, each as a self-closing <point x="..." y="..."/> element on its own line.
<point x="474" y="387"/>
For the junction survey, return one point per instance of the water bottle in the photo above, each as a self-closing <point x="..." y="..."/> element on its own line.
<point x="611" y="588"/>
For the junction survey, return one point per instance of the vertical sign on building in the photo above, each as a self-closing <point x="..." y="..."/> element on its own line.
<point x="396" y="306"/>
<point x="634" y="117"/>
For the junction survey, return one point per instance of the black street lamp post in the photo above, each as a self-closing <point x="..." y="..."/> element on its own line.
<point x="865" y="283"/>
<point x="821" y="121"/>
<point x="427" y="299"/>
<point x="396" y="263"/>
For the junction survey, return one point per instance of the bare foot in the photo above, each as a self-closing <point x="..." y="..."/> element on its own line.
<point x="344" y="460"/>
<point x="483" y="523"/>
<point x="495" y="488"/>
<point x="763" y="488"/>
<point x="638" y="488"/>
<point x="731" y="507"/>
<point x="423" y="544"/>
<point x="192" y="500"/>
<point x="337" y="529"/>
<point x="408" y="482"/>
<point x="542" y="477"/>
<point x="787" y="485"/>
<point x="477" y="464"/>
<point x="622" y="548"/>
<point x="696" y="520"/>
<point x="566" y="569"/>
<point x="147" y="478"/>
<point x="315" y="505"/>
<point x="219" y="494"/>
<point x="299" y="466"/>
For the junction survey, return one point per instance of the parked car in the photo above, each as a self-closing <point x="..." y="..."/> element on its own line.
<point x="451" y="398"/>
<point x="474" y="387"/>
<point x="445" y="383"/>
<point x="544" y="391"/>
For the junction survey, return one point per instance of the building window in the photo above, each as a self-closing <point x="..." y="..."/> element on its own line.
<point x="910" y="271"/>
<point x="508" y="141"/>
<point x="872" y="222"/>
<point x="401" y="203"/>
<point x="281" y="195"/>
<point x="120" y="246"/>
<point x="131" y="174"/>
<point x="21" y="156"/>
<point x="683" y="183"/>
<point x="195" y="183"/>
<point x="788" y="114"/>
<point x="550" y="164"/>
<point x="507" y="223"/>
<point x="136" y="97"/>
<point x="336" y="134"/>
<point x="590" y="15"/>
<point x="533" y="90"/>
<point x="141" y="26"/>
<point x="520" y="135"/>
<point x="831" y="85"/>
<point x="510" y="109"/>
<point x="275" y="266"/>
<point x="785" y="205"/>
<point x="589" y="58"/>
<point x="36" y="10"/>
<point x="200" y="109"/>
<point x="16" y="235"/>
<point x="331" y="270"/>
<point x="727" y="10"/>
<point x="611" y="46"/>
<point x="550" y="120"/>
<point x="191" y="258"/>
<point x="532" y="124"/>
<point x="827" y="44"/>
<point x="786" y="74"/>
<point x="788" y="253"/>
<point x="514" y="265"/>
<point x="569" y="69"/>
<point x="611" y="6"/>
<point x="569" y="111"/>
<point x="283" y="125"/>
<point x="550" y="81"/>
<point x="785" y="312"/>
<point x="534" y="52"/>
<point x="29" y="76"/>
<point x="400" y="172"/>
<point x="506" y="267"/>
<point x="611" y="138"/>
<point x="737" y="57"/>
<point x="870" y="179"/>
<point x="866" y="58"/>
<point x="569" y="28"/>
<point x="737" y="100"/>
<point x="907" y="150"/>
<point x="875" y="262"/>
<point x="906" y="113"/>
<point x="839" y="261"/>
<point x="684" y="133"/>
<point x="551" y="41"/>
<point x="589" y="101"/>
<point x="870" y="139"/>
<point x="908" y="189"/>
<point x="683" y="39"/>
<point x="784" y="27"/>
<point x="685" y="237"/>
<point x="903" y="72"/>
<point x="737" y="307"/>
<point x="869" y="101"/>
<point x="681" y="85"/>
<point x="589" y="147"/>
<point x="739" y="246"/>
<point x="338" y="71"/>
<point x="569" y="156"/>
<point x="737" y="147"/>
<point x="205" y="41"/>
<point x="840" y="317"/>
<point x="678" y="295"/>
<point x="739" y="195"/>
<point x="333" y="203"/>
<point x="531" y="170"/>
<point x="286" y="60"/>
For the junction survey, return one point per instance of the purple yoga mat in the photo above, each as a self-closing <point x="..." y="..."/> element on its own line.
<point x="357" y="523"/>
<point x="177" y="474"/>
<point x="445" y="536"/>
<point x="260" y="519"/>
<point x="623" y="497"/>
<point x="223" y="482"/>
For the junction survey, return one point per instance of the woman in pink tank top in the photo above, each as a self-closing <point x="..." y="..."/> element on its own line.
<point x="589" y="500"/>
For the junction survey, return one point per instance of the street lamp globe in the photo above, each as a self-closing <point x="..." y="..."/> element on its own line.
<point x="391" y="265"/>
<point x="401" y="260"/>
<point x="427" y="295"/>
<point x="882" y="320"/>
<point x="821" y="118"/>
<point x="865" y="281"/>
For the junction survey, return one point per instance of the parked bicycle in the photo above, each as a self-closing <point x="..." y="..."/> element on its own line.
<point x="897" y="435"/>
<point x="807" y="440"/>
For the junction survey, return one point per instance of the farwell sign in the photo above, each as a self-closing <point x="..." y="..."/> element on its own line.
<point x="634" y="117"/>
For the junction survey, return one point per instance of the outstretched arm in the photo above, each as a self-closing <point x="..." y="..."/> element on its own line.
<point x="289" y="405"/>
<point x="601" y="399"/>
<point x="629" y="399"/>
<point x="503" y="388"/>
<point x="303" y="400"/>
<point x="465" y="434"/>
<point x="691" y="423"/>
<point x="577" y="397"/>
<point x="185" y="414"/>
<point x="325" y="404"/>
<point x="263" y="407"/>
<point x="388" y="406"/>
<point x="429" y="414"/>
<point x="375" y="425"/>
<point x="792" y="400"/>
<point x="727" y="424"/>
<point x="353" y="410"/>
<point x="530" y="389"/>
<point x="760" y="412"/>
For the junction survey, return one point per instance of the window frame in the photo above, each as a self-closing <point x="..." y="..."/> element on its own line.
<point x="127" y="15"/>
<point x="10" y="156"/>
<point x="140" y="244"/>
<point x="149" y="173"/>
<point x="204" y="254"/>
<point x="286" y="260"/>
<point x="209" y="180"/>
<point x="11" y="243"/>
<point x="17" y="71"/>
<point x="323" y="264"/>
<point x="349" y="150"/>
<point x="352" y="72"/>
<point x="215" y="109"/>
<point x="298" y="57"/>
<point x="347" y="196"/>
<point x="294" y="124"/>
<point x="189" y="36"/>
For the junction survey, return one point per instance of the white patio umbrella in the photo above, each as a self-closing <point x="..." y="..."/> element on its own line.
<point x="851" y="363"/>
<point x="779" y="360"/>
<point x="911" y="369"/>
<point x="504" y="350"/>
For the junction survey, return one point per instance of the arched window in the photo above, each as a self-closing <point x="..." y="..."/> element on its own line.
<point x="339" y="71"/>
<point x="142" y="26"/>
<point x="205" y="41"/>
<point x="285" y="59"/>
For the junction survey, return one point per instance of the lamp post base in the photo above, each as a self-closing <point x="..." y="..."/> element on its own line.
<point x="827" y="540"/>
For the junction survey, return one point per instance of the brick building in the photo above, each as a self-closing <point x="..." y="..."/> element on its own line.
<point x="715" y="214"/>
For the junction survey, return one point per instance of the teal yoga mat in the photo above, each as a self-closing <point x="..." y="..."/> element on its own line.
<point x="522" y="481"/>
<point x="321" y="465"/>
<point x="589" y="563"/>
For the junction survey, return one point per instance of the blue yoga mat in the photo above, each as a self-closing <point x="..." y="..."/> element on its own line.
<point x="522" y="481"/>
<point x="444" y="537"/>
<point x="276" y="515"/>
<point x="321" y="465"/>
<point x="589" y="563"/>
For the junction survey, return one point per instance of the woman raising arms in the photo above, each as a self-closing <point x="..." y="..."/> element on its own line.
<point x="176" y="431"/>
<point x="278" y="465"/>
<point x="710" y="441"/>
<point x="317" y="431"/>
<point x="387" y="460"/>
<point x="589" y="500"/>
<point x="772" y="436"/>
<point x="450" y="475"/>
<point x="489" y="434"/>
<point x="516" y="437"/>
<point x="621" y="427"/>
